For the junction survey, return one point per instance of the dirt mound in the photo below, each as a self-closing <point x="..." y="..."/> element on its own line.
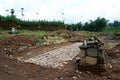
<point x="111" y="36"/>
<point x="116" y="37"/>
<point x="15" y="44"/>
<point x="76" y="37"/>
<point x="56" y="37"/>
<point x="63" y="33"/>
<point x="12" y="69"/>
<point x="114" y="52"/>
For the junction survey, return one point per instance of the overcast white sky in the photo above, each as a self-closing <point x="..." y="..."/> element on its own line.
<point x="74" y="10"/>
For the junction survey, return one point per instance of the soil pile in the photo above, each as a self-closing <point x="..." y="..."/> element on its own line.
<point x="12" y="69"/>
<point x="111" y="36"/>
<point x="76" y="37"/>
<point x="114" y="52"/>
<point x="116" y="37"/>
<point x="62" y="36"/>
<point x="15" y="44"/>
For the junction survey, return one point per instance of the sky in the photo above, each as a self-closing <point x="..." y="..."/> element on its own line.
<point x="71" y="11"/>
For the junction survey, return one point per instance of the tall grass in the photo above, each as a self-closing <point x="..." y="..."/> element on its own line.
<point x="111" y="29"/>
<point x="34" y="35"/>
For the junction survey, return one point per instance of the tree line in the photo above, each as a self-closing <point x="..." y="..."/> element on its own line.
<point x="98" y="25"/>
<point x="33" y="24"/>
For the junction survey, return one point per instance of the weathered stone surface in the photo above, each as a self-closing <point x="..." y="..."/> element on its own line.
<point x="82" y="53"/>
<point x="82" y="61"/>
<point x="92" y="52"/>
<point x="91" y="60"/>
<point x="88" y="61"/>
<point x="56" y="58"/>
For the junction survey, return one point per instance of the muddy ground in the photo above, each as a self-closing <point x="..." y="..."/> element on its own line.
<point x="15" y="64"/>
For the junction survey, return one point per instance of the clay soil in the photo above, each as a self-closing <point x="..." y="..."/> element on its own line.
<point x="11" y="68"/>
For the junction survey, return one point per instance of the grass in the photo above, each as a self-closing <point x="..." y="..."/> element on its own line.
<point x="88" y="34"/>
<point x="4" y="34"/>
<point x="34" y="35"/>
<point x="38" y="35"/>
<point x="113" y="30"/>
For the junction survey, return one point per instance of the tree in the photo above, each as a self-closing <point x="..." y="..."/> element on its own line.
<point x="96" y="25"/>
<point x="100" y="23"/>
<point x="79" y="26"/>
<point x="116" y="23"/>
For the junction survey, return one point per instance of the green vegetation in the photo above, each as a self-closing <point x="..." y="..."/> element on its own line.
<point x="27" y="24"/>
<point x="111" y="29"/>
<point x="40" y="37"/>
<point x="31" y="23"/>
<point x="98" y="25"/>
<point x="4" y="34"/>
<point x="34" y="35"/>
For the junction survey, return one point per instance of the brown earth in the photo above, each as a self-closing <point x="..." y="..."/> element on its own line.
<point x="7" y="25"/>
<point x="13" y="69"/>
<point x="15" y="44"/>
<point x="76" y="37"/>
<point x="114" y="52"/>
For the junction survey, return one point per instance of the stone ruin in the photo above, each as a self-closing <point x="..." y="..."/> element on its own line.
<point x="92" y="55"/>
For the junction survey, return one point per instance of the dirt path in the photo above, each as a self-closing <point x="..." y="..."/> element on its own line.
<point x="56" y="58"/>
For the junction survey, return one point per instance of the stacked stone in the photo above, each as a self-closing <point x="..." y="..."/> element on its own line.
<point x="92" y="56"/>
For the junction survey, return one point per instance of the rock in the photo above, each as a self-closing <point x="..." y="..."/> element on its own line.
<point x="61" y="78"/>
<point x="90" y="60"/>
<point x="110" y="66"/>
<point x="82" y="53"/>
<point x="5" y="49"/>
<point x="92" y="52"/>
<point x="74" y="77"/>
<point x="11" y="56"/>
<point x="28" y="53"/>
<point x="82" y="61"/>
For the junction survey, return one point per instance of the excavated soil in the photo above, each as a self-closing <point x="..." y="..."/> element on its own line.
<point x="114" y="52"/>
<point x="15" y="44"/>
<point x="12" y="68"/>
